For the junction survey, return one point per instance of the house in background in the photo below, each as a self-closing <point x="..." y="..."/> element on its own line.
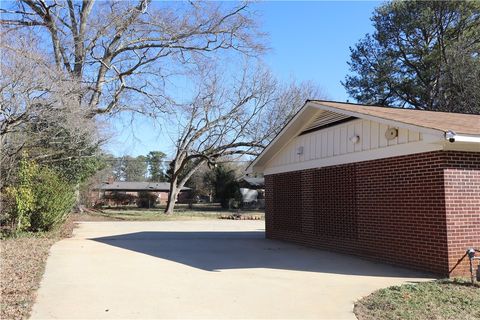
<point x="110" y="190"/>
<point x="400" y="186"/>
<point x="253" y="192"/>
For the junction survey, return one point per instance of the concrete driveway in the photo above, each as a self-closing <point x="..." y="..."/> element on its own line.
<point x="210" y="269"/>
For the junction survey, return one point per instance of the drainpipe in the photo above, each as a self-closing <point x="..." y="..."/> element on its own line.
<point x="471" y="256"/>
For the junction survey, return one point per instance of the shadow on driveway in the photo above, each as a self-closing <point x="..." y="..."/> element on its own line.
<point x="215" y="251"/>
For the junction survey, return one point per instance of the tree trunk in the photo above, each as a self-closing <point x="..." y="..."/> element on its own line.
<point x="172" y="196"/>
<point x="77" y="206"/>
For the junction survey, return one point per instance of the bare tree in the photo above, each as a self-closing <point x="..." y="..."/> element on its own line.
<point x="289" y="98"/>
<point x="230" y="119"/>
<point x="39" y="111"/>
<point x="122" y="51"/>
<point x="218" y="122"/>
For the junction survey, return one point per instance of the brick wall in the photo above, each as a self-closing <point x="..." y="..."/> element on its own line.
<point x="393" y="210"/>
<point x="462" y="197"/>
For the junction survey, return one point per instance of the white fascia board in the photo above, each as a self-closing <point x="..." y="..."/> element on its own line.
<point x="466" y="138"/>
<point x="392" y="123"/>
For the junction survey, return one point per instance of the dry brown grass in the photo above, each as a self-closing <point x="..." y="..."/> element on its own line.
<point x="22" y="262"/>
<point x="433" y="300"/>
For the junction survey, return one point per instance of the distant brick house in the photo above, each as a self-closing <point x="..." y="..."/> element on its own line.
<point x="396" y="185"/>
<point x="104" y="191"/>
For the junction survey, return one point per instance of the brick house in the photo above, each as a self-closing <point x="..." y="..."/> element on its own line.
<point x="400" y="186"/>
<point x="132" y="188"/>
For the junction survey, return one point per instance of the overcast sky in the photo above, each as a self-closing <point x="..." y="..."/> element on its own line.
<point x="308" y="40"/>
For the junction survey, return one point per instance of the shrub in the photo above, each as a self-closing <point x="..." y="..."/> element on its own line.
<point x="146" y="199"/>
<point x="54" y="200"/>
<point x="40" y="200"/>
<point x="120" y="198"/>
<point x="20" y="199"/>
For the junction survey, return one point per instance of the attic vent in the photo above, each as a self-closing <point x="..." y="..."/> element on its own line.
<point x="326" y="119"/>
<point x="391" y="133"/>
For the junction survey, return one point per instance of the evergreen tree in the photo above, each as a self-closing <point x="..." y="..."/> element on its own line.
<point x="423" y="54"/>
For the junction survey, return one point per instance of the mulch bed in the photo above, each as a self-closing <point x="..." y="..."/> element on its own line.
<point x="240" y="217"/>
<point x="22" y="263"/>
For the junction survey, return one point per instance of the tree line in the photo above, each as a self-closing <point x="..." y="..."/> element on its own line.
<point x="152" y="167"/>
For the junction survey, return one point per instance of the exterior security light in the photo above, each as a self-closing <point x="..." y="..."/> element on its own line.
<point x="450" y="136"/>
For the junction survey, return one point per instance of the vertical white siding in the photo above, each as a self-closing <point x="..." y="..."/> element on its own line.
<point x="402" y="135"/>
<point x="358" y="132"/>
<point x="374" y="135"/>
<point x="413" y="136"/>
<point x="330" y="142"/>
<point x="343" y="139"/>
<point x="335" y="141"/>
<point x="365" y="138"/>
<point x="324" y="144"/>
<point x="350" y="133"/>
<point x="382" y="141"/>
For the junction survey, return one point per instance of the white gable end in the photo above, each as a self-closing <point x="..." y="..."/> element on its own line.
<point x="351" y="141"/>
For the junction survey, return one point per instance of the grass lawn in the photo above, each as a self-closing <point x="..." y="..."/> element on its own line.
<point x="182" y="212"/>
<point x="434" y="300"/>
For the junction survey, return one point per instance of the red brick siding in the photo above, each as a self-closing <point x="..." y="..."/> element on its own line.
<point x="393" y="209"/>
<point x="462" y="197"/>
<point x="287" y="203"/>
<point x="334" y="194"/>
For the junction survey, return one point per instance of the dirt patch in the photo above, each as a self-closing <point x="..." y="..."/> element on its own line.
<point x="435" y="300"/>
<point x="22" y="265"/>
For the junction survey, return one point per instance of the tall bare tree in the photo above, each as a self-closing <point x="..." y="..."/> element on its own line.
<point x="289" y="98"/>
<point x="230" y="118"/>
<point x="219" y="121"/>
<point x="123" y="50"/>
<point x="40" y="113"/>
